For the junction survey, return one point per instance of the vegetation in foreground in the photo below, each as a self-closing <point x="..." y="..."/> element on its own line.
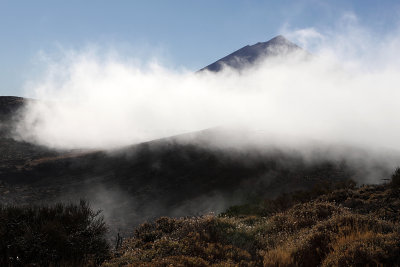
<point x="66" y="235"/>
<point x="328" y="226"/>
<point x="331" y="225"/>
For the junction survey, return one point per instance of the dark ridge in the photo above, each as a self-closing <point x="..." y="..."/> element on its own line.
<point x="10" y="104"/>
<point x="9" y="109"/>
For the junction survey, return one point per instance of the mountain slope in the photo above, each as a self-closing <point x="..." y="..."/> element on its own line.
<point x="250" y="54"/>
<point x="170" y="176"/>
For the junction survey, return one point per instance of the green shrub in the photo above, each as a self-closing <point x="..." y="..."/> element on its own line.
<point x="52" y="235"/>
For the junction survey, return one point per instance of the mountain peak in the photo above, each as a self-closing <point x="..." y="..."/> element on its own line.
<point x="249" y="54"/>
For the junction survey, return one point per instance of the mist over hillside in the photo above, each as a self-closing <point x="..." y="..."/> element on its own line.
<point x="281" y="92"/>
<point x="202" y="133"/>
<point x="234" y="131"/>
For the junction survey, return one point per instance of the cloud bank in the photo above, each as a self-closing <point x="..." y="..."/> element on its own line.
<point x="347" y="93"/>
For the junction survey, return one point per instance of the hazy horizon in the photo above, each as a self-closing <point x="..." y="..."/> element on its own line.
<point x="178" y="35"/>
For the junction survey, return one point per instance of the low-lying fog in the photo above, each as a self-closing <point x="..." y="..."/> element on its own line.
<point x="346" y="93"/>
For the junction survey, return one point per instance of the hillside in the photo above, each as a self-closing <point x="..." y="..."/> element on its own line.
<point x="275" y="203"/>
<point x="159" y="178"/>
<point x="345" y="227"/>
<point x="176" y="176"/>
<point x="167" y="177"/>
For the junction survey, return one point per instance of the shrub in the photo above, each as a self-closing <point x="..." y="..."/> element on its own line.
<point x="198" y="241"/>
<point x="52" y="235"/>
<point x="343" y="239"/>
<point x="322" y="232"/>
<point x="363" y="249"/>
<point x="395" y="183"/>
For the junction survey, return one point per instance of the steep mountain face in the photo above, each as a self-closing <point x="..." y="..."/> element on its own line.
<point x="250" y="54"/>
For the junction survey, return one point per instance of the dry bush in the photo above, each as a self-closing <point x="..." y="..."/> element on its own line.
<point x="380" y="201"/>
<point x="199" y="241"/>
<point x="311" y="246"/>
<point x="365" y="248"/>
<point x="325" y="231"/>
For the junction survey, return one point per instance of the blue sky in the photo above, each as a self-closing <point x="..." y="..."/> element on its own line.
<point x="189" y="34"/>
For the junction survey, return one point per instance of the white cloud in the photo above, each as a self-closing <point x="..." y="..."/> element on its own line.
<point x="338" y="96"/>
<point x="307" y="38"/>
